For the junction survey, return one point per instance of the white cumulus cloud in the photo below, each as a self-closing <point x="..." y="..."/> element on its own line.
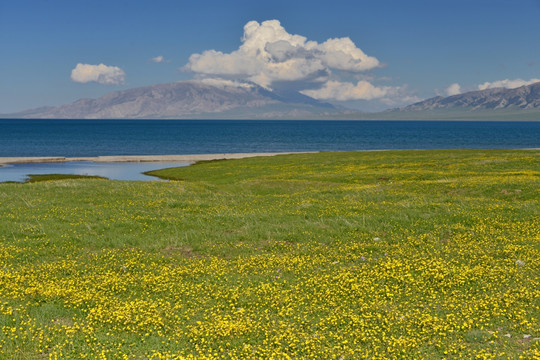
<point x="158" y="59"/>
<point x="269" y="54"/>
<point x="454" y="89"/>
<point x="343" y="91"/>
<point x="507" y="83"/>
<point x="103" y="74"/>
<point x="363" y="91"/>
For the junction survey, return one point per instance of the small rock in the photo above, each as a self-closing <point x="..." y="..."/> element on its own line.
<point x="519" y="263"/>
<point x="526" y="336"/>
<point x="376" y="239"/>
<point x="508" y="335"/>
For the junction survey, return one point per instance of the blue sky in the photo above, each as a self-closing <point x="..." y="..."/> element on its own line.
<point x="413" y="49"/>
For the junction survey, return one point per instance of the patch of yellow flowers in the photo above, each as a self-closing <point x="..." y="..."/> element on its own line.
<point x="402" y="304"/>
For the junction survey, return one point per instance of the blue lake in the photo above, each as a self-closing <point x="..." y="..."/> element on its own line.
<point x="113" y="171"/>
<point x="81" y="138"/>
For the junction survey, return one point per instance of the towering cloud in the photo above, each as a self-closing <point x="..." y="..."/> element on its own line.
<point x="273" y="58"/>
<point x="269" y="54"/>
<point x="103" y="74"/>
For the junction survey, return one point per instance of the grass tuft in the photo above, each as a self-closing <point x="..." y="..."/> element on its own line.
<point x="33" y="178"/>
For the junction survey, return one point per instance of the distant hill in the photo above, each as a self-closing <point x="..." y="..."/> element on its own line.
<point x="198" y="100"/>
<point x="522" y="103"/>
<point x="524" y="97"/>
<point x="187" y="99"/>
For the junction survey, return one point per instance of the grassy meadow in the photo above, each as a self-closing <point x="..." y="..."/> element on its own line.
<point x="375" y="255"/>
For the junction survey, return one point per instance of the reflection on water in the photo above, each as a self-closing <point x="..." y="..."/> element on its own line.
<point x="113" y="170"/>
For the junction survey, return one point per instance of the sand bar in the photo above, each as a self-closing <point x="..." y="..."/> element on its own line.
<point x="139" y="158"/>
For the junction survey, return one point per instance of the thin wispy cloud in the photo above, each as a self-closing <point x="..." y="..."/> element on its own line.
<point x="102" y="74"/>
<point x="223" y="83"/>
<point x="507" y="83"/>
<point x="158" y="59"/>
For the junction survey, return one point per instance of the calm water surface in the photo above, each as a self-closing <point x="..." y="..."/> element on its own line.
<point x="75" y="138"/>
<point x="113" y="171"/>
<point x="84" y="138"/>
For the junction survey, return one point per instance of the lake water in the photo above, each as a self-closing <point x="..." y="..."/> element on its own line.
<point x="85" y="138"/>
<point x="76" y="138"/>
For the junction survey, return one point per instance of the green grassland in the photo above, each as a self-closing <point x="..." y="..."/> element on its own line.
<point x="377" y="255"/>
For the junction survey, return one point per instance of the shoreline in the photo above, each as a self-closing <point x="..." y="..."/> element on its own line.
<point x="191" y="159"/>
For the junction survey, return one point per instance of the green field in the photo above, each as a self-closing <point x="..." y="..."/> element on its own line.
<point x="377" y="255"/>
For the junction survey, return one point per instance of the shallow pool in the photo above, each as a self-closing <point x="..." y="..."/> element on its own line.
<point x="110" y="170"/>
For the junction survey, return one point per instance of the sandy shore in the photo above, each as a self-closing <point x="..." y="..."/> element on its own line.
<point x="138" y="158"/>
<point x="154" y="158"/>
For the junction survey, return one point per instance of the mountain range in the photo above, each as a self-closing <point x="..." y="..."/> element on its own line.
<point x="524" y="97"/>
<point x="200" y="100"/>
<point x="187" y="99"/>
